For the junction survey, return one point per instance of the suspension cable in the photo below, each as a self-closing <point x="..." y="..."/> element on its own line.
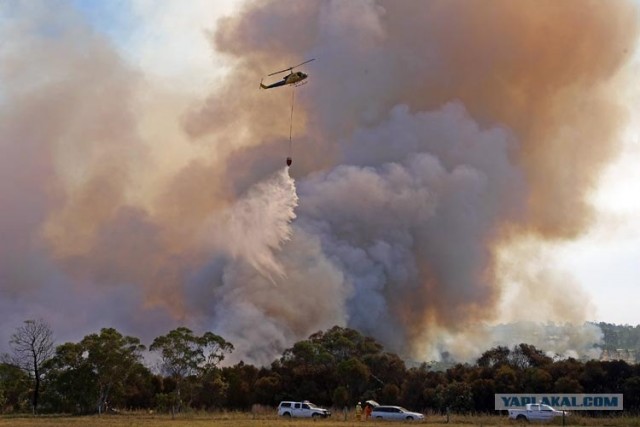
<point x="293" y="91"/>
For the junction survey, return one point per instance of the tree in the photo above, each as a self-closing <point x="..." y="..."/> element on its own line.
<point x="412" y="392"/>
<point x="340" y="397"/>
<point x="345" y="343"/>
<point x="337" y="357"/>
<point x="506" y="380"/>
<point x="525" y="355"/>
<point x="112" y="357"/>
<point x="355" y="376"/>
<point x="457" y="397"/>
<point x="389" y="394"/>
<point x="631" y="390"/>
<point x="567" y="384"/>
<point x="32" y="346"/>
<point x="212" y="391"/>
<point x="386" y="368"/>
<point x="140" y="387"/>
<point x="185" y="355"/>
<point x="94" y="371"/>
<point x="483" y="392"/>
<point x="13" y="387"/>
<point x="494" y="357"/>
<point x="268" y="389"/>
<point x="537" y="380"/>
<point x="309" y="369"/>
<point x="593" y="377"/>
<point x="241" y="379"/>
<point x="71" y="381"/>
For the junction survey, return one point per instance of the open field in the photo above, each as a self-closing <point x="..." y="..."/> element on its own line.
<point x="249" y="420"/>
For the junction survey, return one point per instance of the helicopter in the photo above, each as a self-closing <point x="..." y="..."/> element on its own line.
<point x="292" y="78"/>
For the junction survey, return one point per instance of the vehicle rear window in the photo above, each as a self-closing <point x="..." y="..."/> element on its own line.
<point x="285" y="405"/>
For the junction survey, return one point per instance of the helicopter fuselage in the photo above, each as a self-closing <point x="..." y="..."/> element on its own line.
<point x="291" y="79"/>
<point x="294" y="78"/>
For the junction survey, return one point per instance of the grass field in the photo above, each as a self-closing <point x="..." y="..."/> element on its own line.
<point x="251" y="420"/>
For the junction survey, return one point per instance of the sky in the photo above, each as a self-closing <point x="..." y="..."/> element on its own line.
<point x="443" y="181"/>
<point x="606" y="260"/>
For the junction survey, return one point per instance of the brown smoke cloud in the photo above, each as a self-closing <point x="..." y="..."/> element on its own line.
<point x="541" y="68"/>
<point x="431" y="136"/>
<point x="543" y="72"/>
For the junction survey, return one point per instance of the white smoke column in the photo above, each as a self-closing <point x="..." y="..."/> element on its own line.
<point x="560" y="340"/>
<point x="261" y="319"/>
<point x="256" y="225"/>
<point x="264" y="250"/>
<point x="557" y="340"/>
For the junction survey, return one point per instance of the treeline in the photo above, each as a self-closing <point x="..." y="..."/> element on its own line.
<point x="335" y="368"/>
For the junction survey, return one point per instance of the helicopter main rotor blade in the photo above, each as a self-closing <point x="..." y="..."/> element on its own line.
<point x="278" y="72"/>
<point x="291" y="68"/>
<point x="302" y="63"/>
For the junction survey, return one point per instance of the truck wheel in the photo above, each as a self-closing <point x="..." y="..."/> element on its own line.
<point x="287" y="415"/>
<point x="522" y="418"/>
<point x="409" y="418"/>
<point x="314" y="416"/>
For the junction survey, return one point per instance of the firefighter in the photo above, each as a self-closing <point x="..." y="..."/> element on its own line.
<point x="359" y="412"/>
<point x="367" y="411"/>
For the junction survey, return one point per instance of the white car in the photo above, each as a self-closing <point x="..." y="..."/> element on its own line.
<point x="305" y="409"/>
<point x="395" y="413"/>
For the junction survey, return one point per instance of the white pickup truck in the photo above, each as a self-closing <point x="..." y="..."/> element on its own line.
<point x="535" y="412"/>
<point x="303" y="409"/>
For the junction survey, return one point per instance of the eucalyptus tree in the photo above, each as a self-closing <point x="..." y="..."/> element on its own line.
<point x="185" y="356"/>
<point x="72" y="385"/>
<point x="94" y="370"/>
<point x="112" y="357"/>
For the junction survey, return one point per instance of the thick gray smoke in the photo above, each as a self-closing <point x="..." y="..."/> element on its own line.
<point x="427" y="148"/>
<point x="402" y="226"/>
<point x="432" y="139"/>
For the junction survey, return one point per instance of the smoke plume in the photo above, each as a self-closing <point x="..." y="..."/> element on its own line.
<point x="432" y="140"/>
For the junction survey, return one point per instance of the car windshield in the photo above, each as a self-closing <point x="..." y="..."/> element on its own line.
<point x="403" y="409"/>
<point x="312" y="406"/>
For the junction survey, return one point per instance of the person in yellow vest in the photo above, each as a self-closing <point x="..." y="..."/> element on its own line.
<point x="358" y="412"/>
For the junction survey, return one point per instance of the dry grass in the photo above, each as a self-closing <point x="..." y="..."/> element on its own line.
<point x="268" y="420"/>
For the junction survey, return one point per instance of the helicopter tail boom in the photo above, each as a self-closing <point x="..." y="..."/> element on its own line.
<point x="280" y="83"/>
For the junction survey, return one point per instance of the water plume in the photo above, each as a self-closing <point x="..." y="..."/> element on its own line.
<point x="256" y="226"/>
